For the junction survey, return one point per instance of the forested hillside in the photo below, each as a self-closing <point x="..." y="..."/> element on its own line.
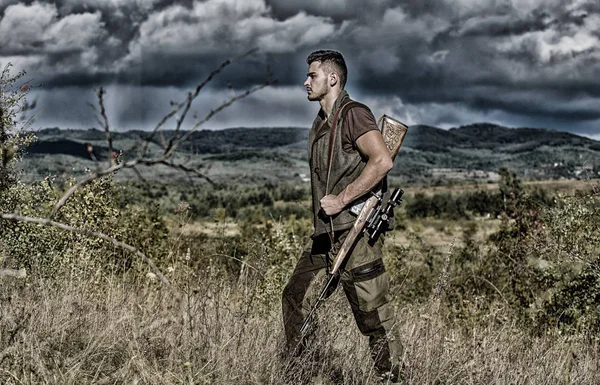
<point x="429" y="154"/>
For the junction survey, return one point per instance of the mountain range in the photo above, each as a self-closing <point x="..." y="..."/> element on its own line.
<point x="428" y="155"/>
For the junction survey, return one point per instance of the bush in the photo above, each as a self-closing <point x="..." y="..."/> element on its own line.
<point x="52" y="252"/>
<point x="483" y="202"/>
<point x="12" y="139"/>
<point x="543" y="262"/>
<point x="99" y="206"/>
<point x="444" y="205"/>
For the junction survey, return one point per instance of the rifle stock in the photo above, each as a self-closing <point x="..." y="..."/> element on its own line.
<point x="393" y="133"/>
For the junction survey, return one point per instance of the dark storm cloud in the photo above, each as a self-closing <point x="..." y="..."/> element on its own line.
<point x="439" y="60"/>
<point x="150" y="42"/>
<point x="134" y="107"/>
<point x="522" y="48"/>
<point x="339" y="10"/>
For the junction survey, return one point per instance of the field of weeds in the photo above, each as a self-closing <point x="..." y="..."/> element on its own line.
<point x="218" y="332"/>
<point x="505" y="298"/>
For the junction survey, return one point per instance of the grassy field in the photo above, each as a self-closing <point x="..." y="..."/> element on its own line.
<point x="93" y="321"/>
<point x="219" y="333"/>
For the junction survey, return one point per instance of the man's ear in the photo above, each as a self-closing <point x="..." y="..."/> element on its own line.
<point x="333" y="79"/>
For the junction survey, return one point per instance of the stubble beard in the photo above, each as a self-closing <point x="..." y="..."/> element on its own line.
<point x="315" y="96"/>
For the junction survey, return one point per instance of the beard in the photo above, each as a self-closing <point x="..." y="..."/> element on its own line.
<point x="317" y="94"/>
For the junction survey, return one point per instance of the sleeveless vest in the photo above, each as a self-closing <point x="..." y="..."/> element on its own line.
<point x="345" y="168"/>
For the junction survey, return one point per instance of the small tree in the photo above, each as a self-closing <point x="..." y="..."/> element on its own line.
<point x="12" y="105"/>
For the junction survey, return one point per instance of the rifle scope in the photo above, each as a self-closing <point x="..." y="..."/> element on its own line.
<point x="383" y="215"/>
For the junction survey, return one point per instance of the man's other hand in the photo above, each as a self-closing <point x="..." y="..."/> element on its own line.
<point x="332" y="204"/>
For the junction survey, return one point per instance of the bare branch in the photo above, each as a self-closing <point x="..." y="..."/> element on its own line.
<point x="190" y="170"/>
<point x="98" y="234"/>
<point x="100" y="93"/>
<point x="61" y="202"/>
<point x="93" y="107"/>
<point x="191" y="98"/>
<point x="180" y="120"/>
<point x="139" y="175"/>
<point x="213" y="113"/>
<point x="161" y="160"/>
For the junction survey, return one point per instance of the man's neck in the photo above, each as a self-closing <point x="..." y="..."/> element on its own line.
<point x="329" y="100"/>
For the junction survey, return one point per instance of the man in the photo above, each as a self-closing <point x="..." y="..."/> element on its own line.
<point x="359" y="162"/>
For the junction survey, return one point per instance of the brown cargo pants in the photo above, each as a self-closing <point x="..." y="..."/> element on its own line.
<point x="366" y="286"/>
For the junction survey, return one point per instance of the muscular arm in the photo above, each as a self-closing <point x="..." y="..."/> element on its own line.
<point x="378" y="164"/>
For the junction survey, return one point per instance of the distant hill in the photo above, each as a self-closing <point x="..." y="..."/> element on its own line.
<point x="429" y="154"/>
<point x="199" y="142"/>
<point x="533" y="153"/>
<point x="67" y="147"/>
<point x="492" y="137"/>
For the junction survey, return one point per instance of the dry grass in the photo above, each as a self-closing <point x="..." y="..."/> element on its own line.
<point x="115" y="332"/>
<point x="208" y="228"/>
<point x="441" y="233"/>
<point x="565" y="186"/>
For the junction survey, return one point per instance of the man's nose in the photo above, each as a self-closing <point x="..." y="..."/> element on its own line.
<point x="306" y="83"/>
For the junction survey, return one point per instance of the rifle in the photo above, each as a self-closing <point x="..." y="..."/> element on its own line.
<point x="372" y="214"/>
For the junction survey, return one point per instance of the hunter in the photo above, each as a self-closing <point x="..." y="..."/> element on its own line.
<point x="353" y="164"/>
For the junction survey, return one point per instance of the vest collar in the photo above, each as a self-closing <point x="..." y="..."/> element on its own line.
<point x="342" y="98"/>
<point x="321" y="125"/>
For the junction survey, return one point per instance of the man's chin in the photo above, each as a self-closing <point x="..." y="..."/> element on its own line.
<point x="313" y="98"/>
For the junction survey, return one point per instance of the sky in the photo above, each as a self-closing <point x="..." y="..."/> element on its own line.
<point x="444" y="63"/>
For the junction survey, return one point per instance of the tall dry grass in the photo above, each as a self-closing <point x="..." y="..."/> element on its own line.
<point x="123" y="331"/>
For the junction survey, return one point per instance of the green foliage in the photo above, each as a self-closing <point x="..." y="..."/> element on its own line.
<point x="442" y="205"/>
<point x="52" y="252"/>
<point x="238" y="201"/>
<point x="483" y="202"/>
<point x="281" y="243"/>
<point x="511" y="199"/>
<point x="413" y="270"/>
<point x="568" y="241"/>
<point x="47" y="251"/>
<point x="511" y="191"/>
<point x="542" y="263"/>
<point x="12" y="104"/>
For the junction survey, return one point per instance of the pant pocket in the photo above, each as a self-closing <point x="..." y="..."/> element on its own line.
<point x="371" y="285"/>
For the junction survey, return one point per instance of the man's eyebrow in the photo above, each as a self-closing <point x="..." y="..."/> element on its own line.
<point x="310" y="73"/>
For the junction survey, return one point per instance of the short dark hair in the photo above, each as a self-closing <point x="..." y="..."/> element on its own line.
<point x="333" y="58"/>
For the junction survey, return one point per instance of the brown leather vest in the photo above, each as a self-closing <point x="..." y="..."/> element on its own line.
<point x="345" y="168"/>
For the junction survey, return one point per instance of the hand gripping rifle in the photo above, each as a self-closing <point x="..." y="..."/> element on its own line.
<point x="372" y="218"/>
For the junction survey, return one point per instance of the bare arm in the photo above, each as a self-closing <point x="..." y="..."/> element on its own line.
<point x="379" y="163"/>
